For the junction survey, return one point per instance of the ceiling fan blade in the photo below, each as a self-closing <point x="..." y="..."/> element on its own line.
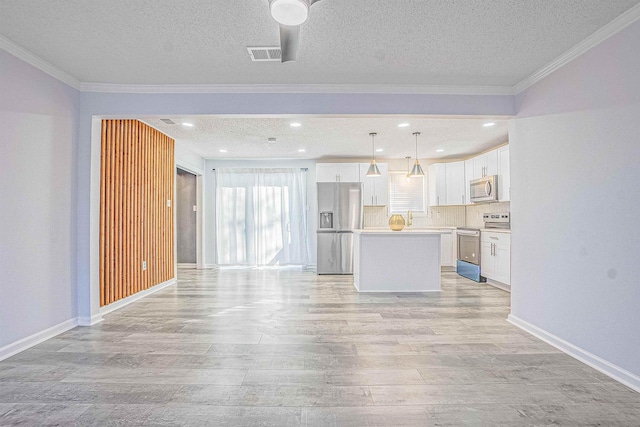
<point x="289" y="37"/>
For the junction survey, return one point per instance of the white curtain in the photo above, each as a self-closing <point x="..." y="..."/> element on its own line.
<point x="261" y="217"/>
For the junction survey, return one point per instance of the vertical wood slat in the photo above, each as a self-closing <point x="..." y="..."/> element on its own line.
<point x="137" y="179"/>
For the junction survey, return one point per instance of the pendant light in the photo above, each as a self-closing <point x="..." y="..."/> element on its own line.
<point x="373" y="169"/>
<point x="417" y="169"/>
<point x="408" y="167"/>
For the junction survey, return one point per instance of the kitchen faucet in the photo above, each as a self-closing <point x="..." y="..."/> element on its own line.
<point x="409" y="218"/>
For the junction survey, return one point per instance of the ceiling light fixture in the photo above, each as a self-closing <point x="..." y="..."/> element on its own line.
<point x="439" y="150"/>
<point x="373" y="168"/>
<point x="403" y="125"/>
<point x="302" y="150"/>
<point x="223" y="151"/>
<point x="379" y="150"/>
<point x="289" y="12"/>
<point x="417" y="169"/>
<point x="488" y="125"/>
<point x="189" y="125"/>
<point x="295" y="125"/>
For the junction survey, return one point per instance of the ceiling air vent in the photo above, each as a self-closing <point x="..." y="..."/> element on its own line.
<point x="168" y="121"/>
<point x="262" y="54"/>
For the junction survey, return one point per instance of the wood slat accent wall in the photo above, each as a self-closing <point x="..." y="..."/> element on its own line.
<point x="136" y="225"/>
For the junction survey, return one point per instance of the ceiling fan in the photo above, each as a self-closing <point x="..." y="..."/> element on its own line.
<point x="290" y="14"/>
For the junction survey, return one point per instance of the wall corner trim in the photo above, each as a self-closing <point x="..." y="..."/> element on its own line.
<point x="135" y="297"/>
<point x="90" y="321"/>
<point x="619" y="374"/>
<point x="35" y="339"/>
<point x="618" y="24"/>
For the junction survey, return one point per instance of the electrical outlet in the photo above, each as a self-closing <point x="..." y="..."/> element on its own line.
<point x="144" y="265"/>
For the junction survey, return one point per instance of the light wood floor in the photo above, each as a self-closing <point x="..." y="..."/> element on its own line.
<point x="280" y="348"/>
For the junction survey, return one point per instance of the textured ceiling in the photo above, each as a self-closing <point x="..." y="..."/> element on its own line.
<point x="411" y="42"/>
<point x="333" y="137"/>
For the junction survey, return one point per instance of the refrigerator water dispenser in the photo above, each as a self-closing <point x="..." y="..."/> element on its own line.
<point x="326" y="219"/>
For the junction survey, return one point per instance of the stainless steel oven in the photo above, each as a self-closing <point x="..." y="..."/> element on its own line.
<point x="468" y="262"/>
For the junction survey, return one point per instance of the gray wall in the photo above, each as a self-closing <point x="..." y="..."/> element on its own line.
<point x="210" y="209"/>
<point x="575" y="175"/>
<point x="185" y="217"/>
<point x="38" y="139"/>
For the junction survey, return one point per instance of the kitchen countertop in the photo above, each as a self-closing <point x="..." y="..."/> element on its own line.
<point x="395" y="233"/>
<point x="495" y="230"/>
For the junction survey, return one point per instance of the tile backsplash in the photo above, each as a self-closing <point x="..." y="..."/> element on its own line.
<point x="474" y="212"/>
<point x="437" y="216"/>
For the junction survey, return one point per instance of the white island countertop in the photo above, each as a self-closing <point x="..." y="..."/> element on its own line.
<point x="404" y="231"/>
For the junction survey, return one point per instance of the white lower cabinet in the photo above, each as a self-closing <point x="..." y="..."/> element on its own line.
<point x="446" y="250"/>
<point x="495" y="256"/>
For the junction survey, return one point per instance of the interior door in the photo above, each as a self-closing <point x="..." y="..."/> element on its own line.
<point x="186" y="217"/>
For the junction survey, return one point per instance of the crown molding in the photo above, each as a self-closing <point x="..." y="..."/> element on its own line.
<point x="610" y="29"/>
<point x="39" y="63"/>
<point x="298" y="88"/>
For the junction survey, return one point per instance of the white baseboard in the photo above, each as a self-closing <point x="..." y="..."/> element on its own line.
<point x="90" y="321"/>
<point x="135" y="297"/>
<point x="35" y="339"/>
<point x="186" y="265"/>
<point x="211" y="266"/>
<point x="499" y="285"/>
<point x="617" y="373"/>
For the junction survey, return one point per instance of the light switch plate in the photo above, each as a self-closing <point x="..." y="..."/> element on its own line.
<point x="195" y="208"/>
<point x="169" y="203"/>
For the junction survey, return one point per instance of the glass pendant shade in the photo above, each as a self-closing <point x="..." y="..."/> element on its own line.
<point x="373" y="169"/>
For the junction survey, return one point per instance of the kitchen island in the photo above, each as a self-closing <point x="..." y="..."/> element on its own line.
<point x="396" y="261"/>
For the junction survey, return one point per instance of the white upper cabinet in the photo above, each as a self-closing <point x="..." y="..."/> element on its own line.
<point x="376" y="189"/>
<point x="446" y="184"/>
<point x="455" y="183"/>
<point x="437" y="176"/>
<point x="485" y="164"/>
<point x="504" y="179"/>
<point x="337" y="172"/>
<point x="468" y="176"/>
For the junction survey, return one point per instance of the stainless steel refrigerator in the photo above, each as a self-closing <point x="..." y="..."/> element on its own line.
<point x="339" y="213"/>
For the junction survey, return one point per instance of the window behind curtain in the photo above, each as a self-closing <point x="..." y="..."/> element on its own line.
<point x="405" y="193"/>
<point x="261" y="217"/>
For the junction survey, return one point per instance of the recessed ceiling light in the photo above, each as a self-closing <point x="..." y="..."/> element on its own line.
<point x="403" y="125"/>
<point x="223" y="151"/>
<point x="439" y="150"/>
<point x="295" y="125"/>
<point x="487" y="125"/>
<point x="189" y="125"/>
<point x="379" y="150"/>
<point x="302" y="150"/>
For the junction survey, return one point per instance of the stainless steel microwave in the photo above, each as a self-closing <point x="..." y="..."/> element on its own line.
<point x="484" y="190"/>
